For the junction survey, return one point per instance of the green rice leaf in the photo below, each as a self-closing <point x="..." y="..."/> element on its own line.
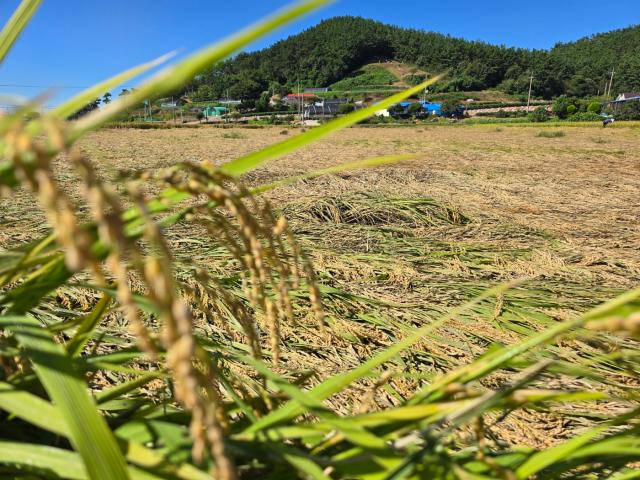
<point x="501" y="357"/>
<point x="16" y="25"/>
<point x="627" y="474"/>
<point x="544" y="459"/>
<point x="337" y="383"/>
<point x="76" y="103"/>
<point x="302" y="463"/>
<point x="44" y="415"/>
<point x="50" y="462"/>
<point x="89" y="433"/>
<point x="31" y="408"/>
<point x="56" y="463"/>
<point x="28" y="294"/>
<point x="351" y="430"/>
<point x="126" y="387"/>
<point x="87" y="326"/>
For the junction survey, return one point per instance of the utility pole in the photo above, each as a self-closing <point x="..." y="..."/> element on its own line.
<point x="300" y="104"/>
<point x="530" y="87"/>
<point x="613" y="72"/>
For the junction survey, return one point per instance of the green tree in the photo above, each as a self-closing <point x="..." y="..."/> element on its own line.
<point x="627" y="111"/>
<point x="594" y="107"/>
<point x="539" y="115"/>
<point x="579" y="86"/>
<point x="347" y="108"/>
<point x="337" y="48"/>
<point x="275" y="88"/>
<point x="245" y="88"/>
<point x="561" y="106"/>
<point x="88" y="108"/>
<point x="106" y="98"/>
<point x="204" y="93"/>
<point x="262" y="104"/>
<point x="415" y="109"/>
<point x="450" y="107"/>
<point x="396" y="110"/>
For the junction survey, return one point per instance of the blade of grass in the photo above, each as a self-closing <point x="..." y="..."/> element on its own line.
<point x="352" y="431"/>
<point x="627" y="474"/>
<point x="31" y="408"/>
<point x="497" y="359"/>
<point x="302" y="463"/>
<point x="542" y="460"/>
<point x="58" y="463"/>
<point x="339" y="382"/>
<point x="126" y="387"/>
<point x="87" y="326"/>
<point x="44" y="415"/>
<point x="55" y="463"/>
<point x="16" y="25"/>
<point x="76" y="103"/>
<point x="89" y="432"/>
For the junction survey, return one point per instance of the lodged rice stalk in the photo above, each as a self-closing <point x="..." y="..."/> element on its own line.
<point x="80" y="400"/>
<point x="272" y="262"/>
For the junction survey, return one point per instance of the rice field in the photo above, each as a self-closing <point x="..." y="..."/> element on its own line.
<point x="396" y="247"/>
<point x="173" y="306"/>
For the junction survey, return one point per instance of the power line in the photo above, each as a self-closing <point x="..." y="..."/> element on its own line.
<point x="9" y="107"/>
<point x="16" y="85"/>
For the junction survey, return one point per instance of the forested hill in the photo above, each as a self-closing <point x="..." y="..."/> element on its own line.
<point x="335" y="48"/>
<point x="595" y="56"/>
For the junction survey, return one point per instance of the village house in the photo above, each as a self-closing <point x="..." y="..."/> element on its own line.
<point x="296" y="99"/>
<point x="324" y="108"/>
<point x="623" y="97"/>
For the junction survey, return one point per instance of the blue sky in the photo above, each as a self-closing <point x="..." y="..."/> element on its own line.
<point x="76" y="43"/>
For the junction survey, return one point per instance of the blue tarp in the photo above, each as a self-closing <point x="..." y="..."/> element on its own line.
<point x="432" y="108"/>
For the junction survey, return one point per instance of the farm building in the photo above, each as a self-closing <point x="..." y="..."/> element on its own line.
<point x="214" y="111"/>
<point x="623" y="97"/>
<point x="316" y="90"/>
<point x="230" y="102"/>
<point x="297" y="98"/>
<point x="325" y="108"/>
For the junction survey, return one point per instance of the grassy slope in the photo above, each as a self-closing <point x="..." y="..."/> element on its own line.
<point x="378" y="79"/>
<point x="372" y="76"/>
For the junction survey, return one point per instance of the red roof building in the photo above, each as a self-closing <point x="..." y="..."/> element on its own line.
<point x="296" y="98"/>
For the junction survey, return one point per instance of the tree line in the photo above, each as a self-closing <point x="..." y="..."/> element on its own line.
<point x="332" y="50"/>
